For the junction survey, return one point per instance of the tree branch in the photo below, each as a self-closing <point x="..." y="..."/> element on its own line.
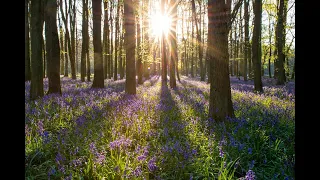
<point x="234" y="13"/>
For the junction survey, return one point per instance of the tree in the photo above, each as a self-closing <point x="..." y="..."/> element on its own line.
<point x="139" y="60"/>
<point x="163" y="48"/>
<point x="27" y="71"/>
<point x="98" y="79"/>
<point x="130" y="84"/>
<point x="198" y="40"/>
<point x="246" y="39"/>
<point x="106" y="47"/>
<point x="173" y="44"/>
<point x="84" y="38"/>
<point x="52" y="47"/>
<point x="256" y="45"/>
<point x="281" y="78"/>
<point x="219" y="23"/>
<point x="116" y="45"/>
<point x="68" y="40"/>
<point x="36" y="89"/>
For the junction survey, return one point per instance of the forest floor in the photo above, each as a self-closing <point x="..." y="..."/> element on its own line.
<point x="159" y="133"/>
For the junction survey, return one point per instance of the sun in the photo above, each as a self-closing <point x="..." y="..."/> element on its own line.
<point x="160" y="23"/>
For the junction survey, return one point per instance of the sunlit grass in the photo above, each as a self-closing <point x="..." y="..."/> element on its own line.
<point x="160" y="133"/>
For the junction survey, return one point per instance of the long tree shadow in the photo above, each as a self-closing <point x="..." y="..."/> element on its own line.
<point x="176" y="146"/>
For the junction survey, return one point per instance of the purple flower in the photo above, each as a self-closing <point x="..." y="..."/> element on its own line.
<point x="250" y="150"/>
<point x="251" y="164"/>
<point x="40" y="127"/>
<point x="141" y="158"/>
<point x="152" y="164"/>
<point x="250" y="175"/>
<point x="137" y="172"/>
<point x="221" y="153"/>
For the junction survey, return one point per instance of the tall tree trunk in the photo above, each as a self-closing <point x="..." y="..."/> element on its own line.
<point x="173" y="44"/>
<point x="98" y="80"/>
<point x="84" y="39"/>
<point x="116" y="44"/>
<point x="111" y="41"/>
<point x="270" y="48"/>
<point x="220" y="104"/>
<point x="70" y="52"/>
<point x="44" y="53"/>
<point x="163" y="48"/>
<point x="72" y="39"/>
<point x="61" y="46"/>
<point x="36" y="89"/>
<point x="130" y="84"/>
<point x="106" y="47"/>
<point x="66" y="62"/>
<point x="281" y="42"/>
<point x="53" y="48"/>
<point x="198" y="39"/>
<point x="256" y="45"/>
<point x="246" y="39"/>
<point x="139" y="61"/>
<point x="27" y="71"/>
<point x="145" y="34"/>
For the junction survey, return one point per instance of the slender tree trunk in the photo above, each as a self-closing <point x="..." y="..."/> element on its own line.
<point x="173" y="44"/>
<point x="246" y="39"/>
<point x="220" y="104"/>
<point x="53" y="48"/>
<point x="44" y="58"/>
<point x="66" y="64"/>
<point x="256" y="46"/>
<point x="116" y="44"/>
<point x="130" y="84"/>
<point x="106" y="47"/>
<point x="111" y="42"/>
<point x="280" y="44"/>
<point x="139" y="61"/>
<point x="27" y="71"/>
<point x="98" y="80"/>
<point x="84" y="39"/>
<point x="145" y="34"/>
<point x="61" y="46"/>
<point x="36" y="89"/>
<point x="163" y="48"/>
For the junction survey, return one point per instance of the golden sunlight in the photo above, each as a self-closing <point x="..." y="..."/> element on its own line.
<point x="159" y="24"/>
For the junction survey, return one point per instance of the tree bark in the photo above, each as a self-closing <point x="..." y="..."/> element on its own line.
<point x="98" y="80"/>
<point x="256" y="46"/>
<point x="27" y="71"/>
<point x="280" y="44"/>
<point x="53" y="47"/>
<point x="173" y="44"/>
<point x="129" y="22"/>
<point x="139" y="60"/>
<point x="36" y="89"/>
<point x="106" y="46"/>
<point x="246" y="39"/>
<point x="220" y="104"/>
<point x="163" y="48"/>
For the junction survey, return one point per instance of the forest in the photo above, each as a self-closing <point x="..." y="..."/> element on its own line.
<point x="160" y="89"/>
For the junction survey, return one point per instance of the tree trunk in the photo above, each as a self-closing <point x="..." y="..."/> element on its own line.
<point x="280" y="44"/>
<point x="246" y="39"/>
<point x="139" y="61"/>
<point x="294" y="69"/>
<point x="163" y="48"/>
<point x="130" y="84"/>
<point x="173" y="42"/>
<point x="116" y="44"/>
<point x="111" y="42"/>
<point x="61" y="47"/>
<point x="106" y="47"/>
<point x="256" y="46"/>
<point x="53" y="48"/>
<point x="84" y="39"/>
<point x="98" y="80"/>
<point x="220" y="104"/>
<point x="36" y="89"/>
<point x="27" y="71"/>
